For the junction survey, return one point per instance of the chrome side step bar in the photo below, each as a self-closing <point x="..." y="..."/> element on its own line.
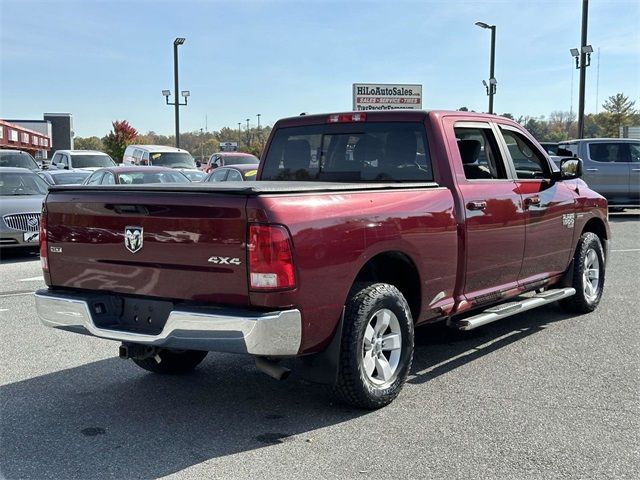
<point x="503" y="310"/>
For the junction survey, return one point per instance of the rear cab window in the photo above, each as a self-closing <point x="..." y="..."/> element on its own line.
<point x="350" y="152"/>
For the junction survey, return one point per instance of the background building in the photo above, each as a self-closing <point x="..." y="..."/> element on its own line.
<point x="56" y="127"/>
<point x="16" y="136"/>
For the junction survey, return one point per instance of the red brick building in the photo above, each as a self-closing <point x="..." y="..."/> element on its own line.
<point x="16" y="137"/>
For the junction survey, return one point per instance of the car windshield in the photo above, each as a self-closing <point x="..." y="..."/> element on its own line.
<point x="18" y="160"/>
<point x="92" y="160"/>
<point x="137" y="178"/>
<point x="241" y="160"/>
<point x="70" y="178"/>
<point x="14" y="183"/>
<point x="350" y="152"/>
<point x="172" y="159"/>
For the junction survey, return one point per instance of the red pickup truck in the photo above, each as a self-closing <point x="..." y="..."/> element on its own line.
<point x="405" y="218"/>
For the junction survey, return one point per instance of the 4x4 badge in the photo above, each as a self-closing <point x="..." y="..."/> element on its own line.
<point x="133" y="238"/>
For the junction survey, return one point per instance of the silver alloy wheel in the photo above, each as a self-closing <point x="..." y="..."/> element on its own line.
<point x="382" y="347"/>
<point x="591" y="275"/>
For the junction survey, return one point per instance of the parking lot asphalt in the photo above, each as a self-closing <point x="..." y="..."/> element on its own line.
<point x="538" y="395"/>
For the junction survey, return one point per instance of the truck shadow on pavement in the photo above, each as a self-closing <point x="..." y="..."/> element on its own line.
<point x="109" y="419"/>
<point x="18" y="255"/>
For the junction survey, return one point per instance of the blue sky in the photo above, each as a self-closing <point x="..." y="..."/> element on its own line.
<point x="107" y="60"/>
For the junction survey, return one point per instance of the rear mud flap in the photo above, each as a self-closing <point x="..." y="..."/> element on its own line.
<point x="323" y="367"/>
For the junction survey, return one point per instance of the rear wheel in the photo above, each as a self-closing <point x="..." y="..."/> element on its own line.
<point x="377" y="346"/>
<point x="588" y="275"/>
<point x="172" y="361"/>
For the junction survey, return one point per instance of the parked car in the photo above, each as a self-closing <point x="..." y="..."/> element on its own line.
<point x="223" y="159"/>
<point x="21" y="196"/>
<point x="611" y="168"/>
<point x="193" y="175"/>
<point x="64" y="177"/>
<point x="135" y="176"/>
<point x="336" y="261"/>
<point x="18" y="159"/>
<point x="236" y="173"/>
<point x="159" y="156"/>
<point x="80" y="159"/>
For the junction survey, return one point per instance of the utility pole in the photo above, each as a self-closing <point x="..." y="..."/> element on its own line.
<point x="583" y="68"/>
<point x="248" y="135"/>
<point x="491" y="87"/>
<point x="239" y="135"/>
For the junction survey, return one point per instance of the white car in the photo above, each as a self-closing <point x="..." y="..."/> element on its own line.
<point x="80" y="159"/>
<point x="159" y="156"/>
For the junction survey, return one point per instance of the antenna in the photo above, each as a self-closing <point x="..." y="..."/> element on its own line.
<point x="597" y="80"/>
<point x="571" y="107"/>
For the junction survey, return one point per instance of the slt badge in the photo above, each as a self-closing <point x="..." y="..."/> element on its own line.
<point x="133" y="238"/>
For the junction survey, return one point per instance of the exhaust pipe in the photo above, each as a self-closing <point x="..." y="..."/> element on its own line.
<point x="272" y="368"/>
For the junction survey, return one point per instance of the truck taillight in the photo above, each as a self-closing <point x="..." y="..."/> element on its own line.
<point x="270" y="258"/>
<point x="347" y="117"/>
<point x="42" y="237"/>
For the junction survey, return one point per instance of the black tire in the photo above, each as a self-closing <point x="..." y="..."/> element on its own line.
<point x="582" y="302"/>
<point x="354" y="385"/>
<point x="172" y="362"/>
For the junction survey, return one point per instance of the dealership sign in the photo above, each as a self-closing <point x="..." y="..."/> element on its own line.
<point x="371" y="96"/>
<point x="228" y="146"/>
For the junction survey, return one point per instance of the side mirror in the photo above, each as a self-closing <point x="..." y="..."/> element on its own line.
<point x="570" y="168"/>
<point x="198" y="164"/>
<point x="66" y="167"/>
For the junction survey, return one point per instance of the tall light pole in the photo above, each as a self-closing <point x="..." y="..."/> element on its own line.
<point x="248" y="135"/>
<point x="239" y="135"/>
<point x="184" y="93"/>
<point x="491" y="88"/>
<point x="583" y="60"/>
<point x="259" y="132"/>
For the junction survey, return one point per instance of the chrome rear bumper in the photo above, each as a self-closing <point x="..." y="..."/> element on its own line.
<point x="219" y="330"/>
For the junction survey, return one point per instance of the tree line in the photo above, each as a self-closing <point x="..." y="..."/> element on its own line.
<point x="619" y="111"/>
<point x="199" y="143"/>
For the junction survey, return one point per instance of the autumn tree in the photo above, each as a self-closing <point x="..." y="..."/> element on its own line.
<point x="118" y="139"/>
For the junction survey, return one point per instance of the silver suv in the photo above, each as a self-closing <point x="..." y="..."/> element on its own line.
<point x="611" y="167"/>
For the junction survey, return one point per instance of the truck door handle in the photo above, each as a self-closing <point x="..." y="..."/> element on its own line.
<point x="535" y="200"/>
<point x="477" y="205"/>
<point x="592" y="169"/>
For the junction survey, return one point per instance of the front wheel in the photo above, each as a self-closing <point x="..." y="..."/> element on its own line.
<point x="377" y="346"/>
<point x="588" y="275"/>
<point x="172" y="361"/>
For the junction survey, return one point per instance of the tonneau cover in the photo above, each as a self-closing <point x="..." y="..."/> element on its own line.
<point x="248" y="188"/>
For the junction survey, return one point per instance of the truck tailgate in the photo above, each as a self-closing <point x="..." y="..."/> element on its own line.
<point x="181" y="246"/>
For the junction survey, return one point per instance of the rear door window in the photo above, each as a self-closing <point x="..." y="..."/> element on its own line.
<point x="479" y="153"/>
<point x="607" y="152"/>
<point x="350" y="152"/>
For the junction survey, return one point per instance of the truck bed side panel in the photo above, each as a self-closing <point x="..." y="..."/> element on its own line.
<point x="334" y="235"/>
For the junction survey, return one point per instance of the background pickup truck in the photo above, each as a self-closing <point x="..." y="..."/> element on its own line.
<point x="406" y="218"/>
<point x="611" y="168"/>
